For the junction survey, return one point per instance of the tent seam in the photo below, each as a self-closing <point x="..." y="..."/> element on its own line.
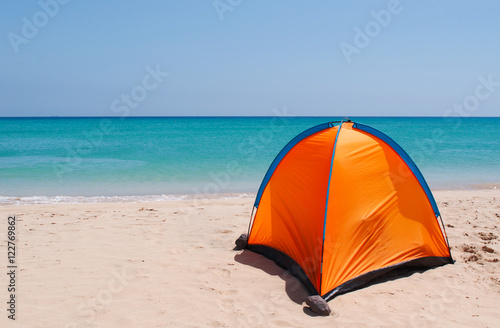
<point x="326" y="205"/>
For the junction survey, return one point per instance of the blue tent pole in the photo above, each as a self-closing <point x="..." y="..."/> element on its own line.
<point x="326" y="203"/>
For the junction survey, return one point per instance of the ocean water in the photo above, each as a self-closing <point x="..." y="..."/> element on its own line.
<point x="152" y="158"/>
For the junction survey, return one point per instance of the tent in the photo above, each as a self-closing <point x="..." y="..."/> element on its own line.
<point x="343" y="203"/>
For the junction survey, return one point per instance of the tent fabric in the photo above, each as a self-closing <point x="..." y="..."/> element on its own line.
<point x="342" y="204"/>
<point x="405" y="157"/>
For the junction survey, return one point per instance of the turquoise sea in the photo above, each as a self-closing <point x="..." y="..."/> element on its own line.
<point x="144" y="158"/>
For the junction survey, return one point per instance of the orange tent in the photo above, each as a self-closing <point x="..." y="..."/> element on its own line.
<point x="343" y="203"/>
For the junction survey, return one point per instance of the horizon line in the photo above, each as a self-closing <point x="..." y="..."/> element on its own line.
<point x="247" y="116"/>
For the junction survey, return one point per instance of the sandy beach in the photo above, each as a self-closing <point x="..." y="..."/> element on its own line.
<point x="172" y="264"/>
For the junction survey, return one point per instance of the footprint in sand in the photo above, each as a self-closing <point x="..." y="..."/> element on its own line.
<point x="472" y="250"/>
<point x="487" y="236"/>
<point x="220" y="272"/>
<point x="468" y="248"/>
<point x="225" y="301"/>
<point x="472" y="258"/>
<point x="488" y="249"/>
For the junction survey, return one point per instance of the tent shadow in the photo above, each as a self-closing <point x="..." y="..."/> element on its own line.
<point x="394" y="274"/>
<point x="297" y="292"/>
<point x="293" y="288"/>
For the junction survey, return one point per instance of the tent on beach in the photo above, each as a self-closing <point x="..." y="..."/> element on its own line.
<point x="343" y="203"/>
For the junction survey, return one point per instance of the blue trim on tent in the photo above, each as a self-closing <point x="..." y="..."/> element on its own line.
<point x="326" y="201"/>
<point x="285" y="151"/>
<point x="406" y="158"/>
<point x="330" y="180"/>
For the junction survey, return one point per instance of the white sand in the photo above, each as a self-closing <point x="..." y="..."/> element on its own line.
<point x="171" y="264"/>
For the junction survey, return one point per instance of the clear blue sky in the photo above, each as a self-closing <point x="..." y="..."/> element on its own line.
<point x="249" y="57"/>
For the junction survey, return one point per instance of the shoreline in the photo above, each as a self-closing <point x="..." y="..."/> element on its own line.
<point x="63" y="199"/>
<point x="43" y="200"/>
